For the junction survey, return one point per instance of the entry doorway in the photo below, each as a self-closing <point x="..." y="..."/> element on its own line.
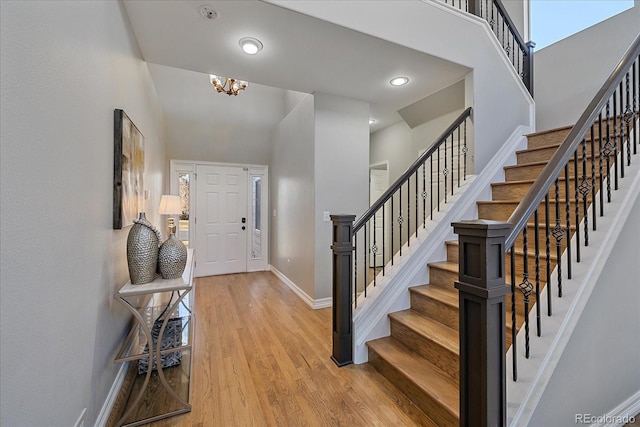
<point x="228" y="221"/>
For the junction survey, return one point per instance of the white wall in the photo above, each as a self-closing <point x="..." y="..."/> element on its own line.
<point x="292" y="196"/>
<point x="65" y="67"/>
<point x="341" y="173"/>
<point x="399" y="145"/>
<point x="567" y="74"/>
<point x="605" y="342"/>
<point x="500" y="101"/>
<point x="393" y="144"/>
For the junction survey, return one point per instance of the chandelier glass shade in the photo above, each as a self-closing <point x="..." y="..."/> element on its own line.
<point x="228" y="85"/>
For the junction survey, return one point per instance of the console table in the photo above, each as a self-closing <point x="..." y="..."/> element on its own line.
<point x="161" y="343"/>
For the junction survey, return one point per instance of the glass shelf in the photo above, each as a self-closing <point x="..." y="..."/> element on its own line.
<point x="136" y="347"/>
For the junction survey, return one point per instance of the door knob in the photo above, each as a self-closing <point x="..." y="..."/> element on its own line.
<point x="243" y="227"/>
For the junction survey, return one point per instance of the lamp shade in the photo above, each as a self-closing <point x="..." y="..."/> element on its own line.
<point x="170" y="205"/>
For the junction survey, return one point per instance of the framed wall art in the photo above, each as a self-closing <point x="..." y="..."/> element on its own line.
<point x="128" y="170"/>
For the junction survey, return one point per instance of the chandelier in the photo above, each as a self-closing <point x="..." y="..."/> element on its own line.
<point x="227" y="85"/>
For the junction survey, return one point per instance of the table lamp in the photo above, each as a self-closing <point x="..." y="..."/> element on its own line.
<point x="170" y="205"/>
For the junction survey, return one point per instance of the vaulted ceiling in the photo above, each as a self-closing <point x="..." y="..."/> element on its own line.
<point x="300" y="53"/>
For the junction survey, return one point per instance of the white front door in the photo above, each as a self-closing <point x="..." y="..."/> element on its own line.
<point x="378" y="184"/>
<point x="221" y="220"/>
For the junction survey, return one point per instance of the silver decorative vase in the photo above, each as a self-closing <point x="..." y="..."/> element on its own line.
<point x="172" y="258"/>
<point x="142" y="251"/>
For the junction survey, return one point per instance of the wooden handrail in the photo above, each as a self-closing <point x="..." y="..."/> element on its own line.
<point x="553" y="168"/>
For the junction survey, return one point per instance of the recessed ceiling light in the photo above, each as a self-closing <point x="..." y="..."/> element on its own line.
<point x="250" y="45"/>
<point x="399" y="81"/>
<point x="372" y="121"/>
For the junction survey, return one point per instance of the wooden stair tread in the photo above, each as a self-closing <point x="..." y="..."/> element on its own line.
<point x="540" y="148"/>
<point x="429" y="378"/>
<point x="429" y="328"/>
<point x="548" y="146"/>
<point x="448" y="296"/>
<point x="531" y="181"/>
<point x="490" y="202"/>
<point x="539" y="163"/>
<point x="445" y="265"/>
<point x="545" y="132"/>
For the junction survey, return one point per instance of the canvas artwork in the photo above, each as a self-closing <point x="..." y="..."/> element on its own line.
<point x="128" y="170"/>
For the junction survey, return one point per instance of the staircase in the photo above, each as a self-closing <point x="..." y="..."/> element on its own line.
<point x="421" y="356"/>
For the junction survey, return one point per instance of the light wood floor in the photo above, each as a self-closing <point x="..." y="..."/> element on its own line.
<point x="262" y="358"/>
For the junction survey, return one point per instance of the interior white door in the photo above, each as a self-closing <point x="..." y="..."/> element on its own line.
<point x="221" y="220"/>
<point x="378" y="184"/>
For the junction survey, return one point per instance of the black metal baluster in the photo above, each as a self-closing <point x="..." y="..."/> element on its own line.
<point x="492" y="23"/>
<point x="431" y="188"/>
<point x="548" y="252"/>
<point x="392" y="253"/>
<point x="465" y="149"/>
<point x="416" y="190"/>
<point x="374" y="251"/>
<point x="584" y="189"/>
<point x="567" y="198"/>
<point x="620" y="134"/>
<point x="526" y="288"/>
<point x="458" y="156"/>
<point x="384" y="231"/>
<point x="400" y="220"/>
<point x="366" y="249"/>
<point x="558" y="234"/>
<point x="636" y="106"/>
<point x="600" y="148"/>
<point x="576" y="202"/>
<point x="408" y="212"/>
<point x="536" y="236"/>
<point x="514" y="324"/>
<point x="438" y="179"/>
<point x="452" y="169"/>
<point x="445" y="172"/>
<point x="593" y="180"/>
<point x="615" y="141"/>
<point x="628" y="115"/>
<point x="608" y="149"/>
<point x="424" y="196"/>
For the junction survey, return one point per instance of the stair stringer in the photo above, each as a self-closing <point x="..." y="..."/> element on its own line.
<point x="391" y="293"/>
<point x="534" y="373"/>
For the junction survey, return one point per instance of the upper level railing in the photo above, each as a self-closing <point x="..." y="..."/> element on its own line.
<point x="561" y="207"/>
<point x="387" y="229"/>
<point x="519" y="52"/>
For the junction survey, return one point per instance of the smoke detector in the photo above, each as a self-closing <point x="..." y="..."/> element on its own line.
<point x="208" y="12"/>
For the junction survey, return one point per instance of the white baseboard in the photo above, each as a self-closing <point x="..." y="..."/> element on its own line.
<point x="313" y="303"/>
<point x="105" y="412"/>
<point x="621" y="414"/>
